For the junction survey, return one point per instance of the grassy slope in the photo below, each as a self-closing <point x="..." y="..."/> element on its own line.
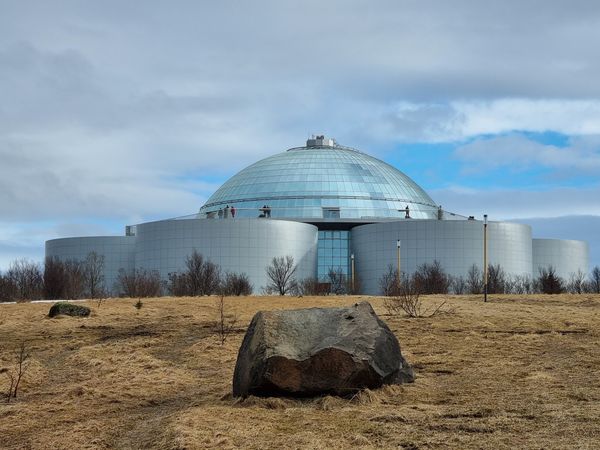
<point x="518" y="372"/>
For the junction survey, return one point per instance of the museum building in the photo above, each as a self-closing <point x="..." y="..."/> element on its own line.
<point x="327" y="206"/>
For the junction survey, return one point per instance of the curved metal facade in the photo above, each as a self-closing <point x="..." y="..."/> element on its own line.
<point x="457" y="245"/>
<point x="118" y="252"/>
<point x="566" y="256"/>
<point x="312" y="182"/>
<point x="240" y="245"/>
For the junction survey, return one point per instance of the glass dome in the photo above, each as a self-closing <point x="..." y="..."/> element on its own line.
<point x="322" y="181"/>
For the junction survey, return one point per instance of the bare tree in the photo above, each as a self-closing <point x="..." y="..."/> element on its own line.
<point x="93" y="271"/>
<point x="576" y="284"/>
<point x="432" y="279"/>
<point x="236" y="284"/>
<point x="55" y="278"/>
<point x="75" y="283"/>
<point x="549" y="282"/>
<point x="337" y="281"/>
<point x="138" y="283"/>
<point x="496" y="279"/>
<point x="225" y="322"/>
<point x="27" y="278"/>
<point x="312" y="286"/>
<point x="200" y="277"/>
<point x="594" y="283"/>
<point x="474" y="280"/>
<point x="8" y="289"/>
<point x="389" y="283"/>
<point x="15" y="375"/>
<point x="458" y="285"/>
<point x="282" y="274"/>
<point x="522" y="284"/>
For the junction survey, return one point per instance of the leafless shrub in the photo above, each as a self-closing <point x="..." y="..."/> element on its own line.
<point x="522" y="284"/>
<point x="594" y="283"/>
<point x="338" y="281"/>
<point x="55" y="278"/>
<point x="389" y="283"/>
<point x="431" y="278"/>
<point x="225" y="323"/>
<point x="8" y="289"/>
<point x="201" y="277"/>
<point x="93" y="275"/>
<point x="548" y="282"/>
<point x="312" y="286"/>
<point x="139" y="304"/>
<point x="236" y="284"/>
<point x="282" y="275"/>
<point x="409" y="301"/>
<point x="138" y="283"/>
<point x="26" y="277"/>
<point x="496" y="279"/>
<point x="16" y="373"/>
<point x="474" y="280"/>
<point x="576" y="284"/>
<point x="458" y="285"/>
<point x="75" y="282"/>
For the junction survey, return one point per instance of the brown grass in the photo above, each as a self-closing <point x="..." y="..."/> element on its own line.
<point x="517" y="372"/>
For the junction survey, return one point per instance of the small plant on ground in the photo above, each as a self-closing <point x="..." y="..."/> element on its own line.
<point x="225" y="322"/>
<point x="15" y="375"/>
<point x="408" y="300"/>
<point x="138" y="305"/>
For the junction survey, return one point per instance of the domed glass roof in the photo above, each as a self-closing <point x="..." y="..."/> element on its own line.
<point x="322" y="181"/>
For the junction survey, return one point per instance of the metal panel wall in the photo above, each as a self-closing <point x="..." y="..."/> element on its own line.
<point x="457" y="245"/>
<point x="237" y="245"/>
<point x="566" y="256"/>
<point x="118" y="251"/>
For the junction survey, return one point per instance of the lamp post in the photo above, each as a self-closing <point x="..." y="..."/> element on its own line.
<point x="352" y="271"/>
<point x="398" y="257"/>
<point x="485" y="258"/>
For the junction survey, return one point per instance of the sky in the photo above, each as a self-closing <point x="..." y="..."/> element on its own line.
<point x="114" y="113"/>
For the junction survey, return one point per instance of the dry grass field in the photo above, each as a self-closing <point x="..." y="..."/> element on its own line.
<point x="517" y="372"/>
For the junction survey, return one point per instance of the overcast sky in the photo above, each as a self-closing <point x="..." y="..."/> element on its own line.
<point x="114" y="112"/>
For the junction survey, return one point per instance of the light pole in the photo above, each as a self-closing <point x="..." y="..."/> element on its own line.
<point x="352" y="271"/>
<point x="485" y="257"/>
<point x="398" y="257"/>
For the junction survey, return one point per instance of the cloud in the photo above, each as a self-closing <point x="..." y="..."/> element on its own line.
<point x="580" y="156"/>
<point x="109" y="111"/>
<point x="503" y="204"/>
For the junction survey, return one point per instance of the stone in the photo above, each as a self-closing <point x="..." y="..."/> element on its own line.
<point x="315" y="351"/>
<point x="68" y="309"/>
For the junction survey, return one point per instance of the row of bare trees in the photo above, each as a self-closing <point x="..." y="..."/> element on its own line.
<point x="432" y="279"/>
<point x="203" y="277"/>
<point x="71" y="279"/>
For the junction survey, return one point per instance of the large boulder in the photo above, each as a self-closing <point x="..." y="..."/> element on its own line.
<point x="68" y="309"/>
<point x="314" y="351"/>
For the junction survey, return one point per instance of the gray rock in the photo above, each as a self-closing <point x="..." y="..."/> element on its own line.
<point x="315" y="351"/>
<point x="68" y="309"/>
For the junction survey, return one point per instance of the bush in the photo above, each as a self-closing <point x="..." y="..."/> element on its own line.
<point x="201" y="277"/>
<point x="236" y="284"/>
<point x="8" y="289"/>
<point x="576" y="284"/>
<point x="26" y="278"/>
<point x="431" y="279"/>
<point x="474" y="280"/>
<point x="338" y="281"/>
<point x="594" y="283"/>
<point x="496" y="279"/>
<point x="138" y="283"/>
<point x="389" y="283"/>
<point x="548" y="282"/>
<point x="312" y="286"/>
<point x="408" y="300"/>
